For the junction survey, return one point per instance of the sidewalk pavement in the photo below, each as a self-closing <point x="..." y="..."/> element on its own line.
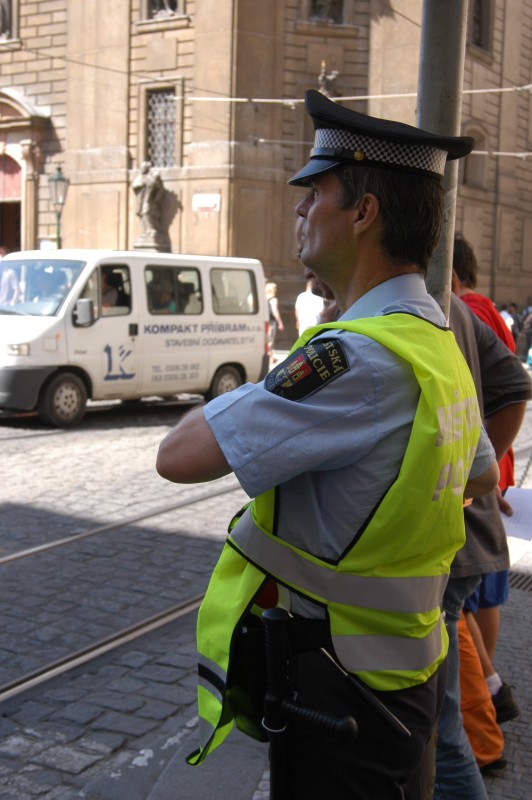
<point x="237" y="770"/>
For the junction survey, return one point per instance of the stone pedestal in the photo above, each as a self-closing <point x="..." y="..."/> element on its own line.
<point x="160" y="242"/>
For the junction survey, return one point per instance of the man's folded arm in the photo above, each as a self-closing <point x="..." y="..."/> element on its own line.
<point x="190" y="453"/>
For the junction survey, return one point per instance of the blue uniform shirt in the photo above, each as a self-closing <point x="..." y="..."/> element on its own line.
<point x="335" y="452"/>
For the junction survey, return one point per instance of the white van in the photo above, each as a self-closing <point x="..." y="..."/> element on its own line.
<point x="79" y="324"/>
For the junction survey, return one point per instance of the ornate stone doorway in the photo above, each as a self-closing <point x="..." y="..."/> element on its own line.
<point x="10" y="203"/>
<point x="21" y="129"/>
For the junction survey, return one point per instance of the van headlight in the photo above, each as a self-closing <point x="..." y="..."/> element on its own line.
<point x="18" y="349"/>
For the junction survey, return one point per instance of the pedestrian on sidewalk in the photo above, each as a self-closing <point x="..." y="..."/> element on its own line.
<point x="482" y="608"/>
<point x="307" y="309"/>
<point x="275" y="319"/>
<point x="502" y="385"/>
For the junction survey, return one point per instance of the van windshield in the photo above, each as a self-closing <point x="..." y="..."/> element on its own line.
<point x="36" y="287"/>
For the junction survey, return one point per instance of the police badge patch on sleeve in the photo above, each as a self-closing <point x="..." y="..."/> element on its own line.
<point x="307" y="369"/>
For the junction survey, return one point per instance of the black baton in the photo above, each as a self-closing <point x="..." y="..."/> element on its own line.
<point x="278" y="710"/>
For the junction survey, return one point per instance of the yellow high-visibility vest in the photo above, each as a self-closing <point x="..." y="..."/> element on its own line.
<point x="383" y="597"/>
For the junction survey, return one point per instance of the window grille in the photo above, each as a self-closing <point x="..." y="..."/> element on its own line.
<point x="161" y="121"/>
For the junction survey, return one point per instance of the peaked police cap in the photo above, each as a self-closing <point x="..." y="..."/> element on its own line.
<point x="345" y="136"/>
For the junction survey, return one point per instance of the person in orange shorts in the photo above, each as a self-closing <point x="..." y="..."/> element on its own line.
<point x="478" y="711"/>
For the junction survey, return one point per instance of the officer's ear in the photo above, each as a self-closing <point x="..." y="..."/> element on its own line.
<point x="366" y="212"/>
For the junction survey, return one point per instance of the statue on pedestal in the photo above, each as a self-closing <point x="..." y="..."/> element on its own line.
<point x="149" y="190"/>
<point x="327" y="80"/>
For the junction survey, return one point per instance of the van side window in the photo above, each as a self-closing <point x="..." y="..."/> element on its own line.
<point x="115" y="290"/>
<point x="173" y="290"/>
<point x="234" y="291"/>
<point x="109" y="288"/>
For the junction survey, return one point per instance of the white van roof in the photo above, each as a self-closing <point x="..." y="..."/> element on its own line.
<point x="144" y="255"/>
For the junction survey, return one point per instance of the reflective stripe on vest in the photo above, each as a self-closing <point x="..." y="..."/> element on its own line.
<point x="322" y="581"/>
<point x="212" y="677"/>
<point x="394" y="653"/>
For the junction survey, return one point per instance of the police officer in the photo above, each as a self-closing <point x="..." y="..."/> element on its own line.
<point x="357" y="450"/>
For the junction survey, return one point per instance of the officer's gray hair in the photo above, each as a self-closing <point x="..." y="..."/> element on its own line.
<point x="411" y="207"/>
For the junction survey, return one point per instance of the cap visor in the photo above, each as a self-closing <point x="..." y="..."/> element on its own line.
<point x="314" y="167"/>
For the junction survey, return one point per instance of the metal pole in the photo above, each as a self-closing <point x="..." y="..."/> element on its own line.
<point x="58" y="229"/>
<point x="441" y="75"/>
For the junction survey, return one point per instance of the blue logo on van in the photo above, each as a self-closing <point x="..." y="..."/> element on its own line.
<point x="117" y="371"/>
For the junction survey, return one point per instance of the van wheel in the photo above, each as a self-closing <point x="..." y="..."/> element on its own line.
<point x="63" y="400"/>
<point x="225" y="380"/>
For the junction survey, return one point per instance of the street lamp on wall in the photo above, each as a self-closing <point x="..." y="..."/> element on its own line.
<point x="58" y="184"/>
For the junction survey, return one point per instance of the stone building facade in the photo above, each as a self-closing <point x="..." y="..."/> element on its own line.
<point x="210" y="94"/>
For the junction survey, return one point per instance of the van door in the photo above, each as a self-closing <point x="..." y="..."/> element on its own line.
<point x="107" y="349"/>
<point x="237" y="332"/>
<point x="173" y="360"/>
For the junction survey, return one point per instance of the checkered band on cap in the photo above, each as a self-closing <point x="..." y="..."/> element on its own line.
<point x="423" y="157"/>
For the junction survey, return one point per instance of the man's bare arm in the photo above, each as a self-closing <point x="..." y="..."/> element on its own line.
<point x="503" y="426"/>
<point x="190" y="453"/>
<point x="484" y="483"/>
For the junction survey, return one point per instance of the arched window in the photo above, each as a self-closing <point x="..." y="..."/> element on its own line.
<point x="10" y="179"/>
